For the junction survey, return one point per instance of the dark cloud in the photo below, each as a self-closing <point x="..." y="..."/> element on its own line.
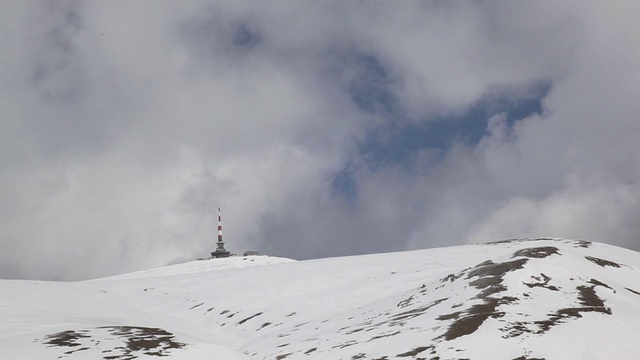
<point x="322" y="129"/>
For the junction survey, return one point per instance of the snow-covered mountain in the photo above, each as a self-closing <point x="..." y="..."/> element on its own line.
<point x="517" y="299"/>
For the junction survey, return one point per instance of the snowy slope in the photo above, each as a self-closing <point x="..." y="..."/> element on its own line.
<point x="518" y="299"/>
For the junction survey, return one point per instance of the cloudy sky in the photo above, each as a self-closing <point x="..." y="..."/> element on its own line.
<point x="322" y="128"/>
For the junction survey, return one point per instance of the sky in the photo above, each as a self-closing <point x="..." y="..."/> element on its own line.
<point x="321" y="128"/>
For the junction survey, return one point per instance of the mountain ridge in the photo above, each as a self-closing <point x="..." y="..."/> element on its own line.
<point x="543" y="298"/>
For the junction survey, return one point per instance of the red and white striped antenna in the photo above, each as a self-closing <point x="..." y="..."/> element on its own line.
<point x="219" y="226"/>
<point x="220" y="250"/>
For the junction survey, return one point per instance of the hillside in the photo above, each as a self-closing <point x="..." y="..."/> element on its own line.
<point x="516" y="299"/>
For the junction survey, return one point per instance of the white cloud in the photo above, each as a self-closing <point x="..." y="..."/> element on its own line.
<point x="579" y="211"/>
<point x="571" y="172"/>
<point x="124" y="127"/>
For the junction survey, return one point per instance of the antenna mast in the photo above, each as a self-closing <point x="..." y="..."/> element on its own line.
<point x="220" y="252"/>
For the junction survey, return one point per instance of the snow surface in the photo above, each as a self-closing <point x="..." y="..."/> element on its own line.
<point x="517" y="299"/>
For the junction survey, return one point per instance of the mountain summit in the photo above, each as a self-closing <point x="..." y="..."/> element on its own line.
<point x="517" y="299"/>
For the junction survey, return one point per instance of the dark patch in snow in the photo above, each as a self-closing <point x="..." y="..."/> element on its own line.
<point x="263" y="326"/>
<point x="599" y="283"/>
<point x="602" y="262"/>
<point x="537" y="252"/>
<point x="451" y="277"/>
<point x="489" y="285"/>
<point x="491" y="269"/>
<point x="398" y="318"/>
<point x="150" y="341"/>
<point x="633" y="291"/>
<point x="541" y="281"/>
<point x="523" y="357"/>
<point x="452" y="316"/>
<point x="310" y="351"/>
<point x="490" y="276"/>
<point x="406" y="302"/>
<point x="415" y="351"/>
<point x="489" y="281"/>
<point x="249" y="318"/>
<point x="358" y="356"/>
<point x="384" y="335"/>
<point x="280" y="357"/>
<point x="582" y="243"/>
<point x="76" y="350"/>
<point x="473" y="318"/>
<point x="137" y="341"/>
<point x="67" y="338"/>
<point x="195" y="306"/>
<point x="587" y="297"/>
<point x="347" y="344"/>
